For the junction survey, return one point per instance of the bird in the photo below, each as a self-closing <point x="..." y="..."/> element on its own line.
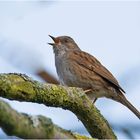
<point x="76" y="68"/>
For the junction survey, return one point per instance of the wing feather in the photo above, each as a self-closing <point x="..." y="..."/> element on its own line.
<point x="90" y="62"/>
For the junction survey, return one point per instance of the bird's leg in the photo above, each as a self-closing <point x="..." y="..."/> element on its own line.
<point x="95" y="99"/>
<point x="87" y="90"/>
<point x="89" y="93"/>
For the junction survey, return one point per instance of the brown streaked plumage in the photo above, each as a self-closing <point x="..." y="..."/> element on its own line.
<point x="80" y="69"/>
<point x="92" y="64"/>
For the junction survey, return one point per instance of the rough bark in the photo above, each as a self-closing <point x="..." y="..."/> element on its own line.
<point x="25" y="126"/>
<point x="22" y="88"/>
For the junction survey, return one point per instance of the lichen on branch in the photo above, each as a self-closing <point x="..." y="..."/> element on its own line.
<point x="22" y="88"/>
<point x="31" y="126"/>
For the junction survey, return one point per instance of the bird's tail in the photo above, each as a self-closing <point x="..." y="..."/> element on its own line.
<point x="121" y="98"/>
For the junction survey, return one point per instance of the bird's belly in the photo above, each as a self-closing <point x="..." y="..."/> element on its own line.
<point x="70" y="76"/>
<point x="73" y="80"/>
<point x="73" y="75"/>
<point x="67" y="78"/>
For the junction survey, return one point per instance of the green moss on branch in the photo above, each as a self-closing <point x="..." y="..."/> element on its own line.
<point x="27" y="127"/>
<point x="22" y="88"/>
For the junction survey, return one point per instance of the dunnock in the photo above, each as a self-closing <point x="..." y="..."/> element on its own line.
<point x="77" y="68"/>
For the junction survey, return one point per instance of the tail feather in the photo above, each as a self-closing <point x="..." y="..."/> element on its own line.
<point x="121" y="98"/>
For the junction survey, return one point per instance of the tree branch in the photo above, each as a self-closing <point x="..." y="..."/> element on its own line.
<point x="22" y="88"/>
<point x="31" y="126"/>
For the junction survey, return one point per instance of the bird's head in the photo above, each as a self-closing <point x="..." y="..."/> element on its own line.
<point x="63" y="43"/>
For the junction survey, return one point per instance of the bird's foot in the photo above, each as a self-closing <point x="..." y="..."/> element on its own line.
<point x="89" y="93"/>
<point x="87" y="90"/>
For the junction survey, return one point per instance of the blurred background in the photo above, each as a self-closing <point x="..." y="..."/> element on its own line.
<point x="109" y="30"/>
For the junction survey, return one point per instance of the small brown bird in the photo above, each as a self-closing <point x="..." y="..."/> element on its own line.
<point x="77" y="68"/>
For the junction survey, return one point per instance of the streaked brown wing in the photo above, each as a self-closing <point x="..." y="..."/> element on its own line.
<point x="90" y="62"/>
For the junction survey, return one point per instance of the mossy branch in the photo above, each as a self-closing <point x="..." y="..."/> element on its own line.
<point x="31" y="126"/>
<point x="22" y="88"/>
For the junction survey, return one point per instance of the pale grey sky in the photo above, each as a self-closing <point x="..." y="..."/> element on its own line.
<point x="108" y="30"/>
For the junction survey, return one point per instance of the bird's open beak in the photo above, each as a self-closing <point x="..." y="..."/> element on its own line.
<point x="53" y="38"/>
<point x="56" y="41"/>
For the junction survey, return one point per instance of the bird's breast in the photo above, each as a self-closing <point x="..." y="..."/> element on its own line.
<point x="63" y="70"/>
<point x="70" y="73"/>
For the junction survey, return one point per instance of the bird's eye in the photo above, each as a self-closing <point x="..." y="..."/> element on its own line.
<point x="66" y="41"/>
